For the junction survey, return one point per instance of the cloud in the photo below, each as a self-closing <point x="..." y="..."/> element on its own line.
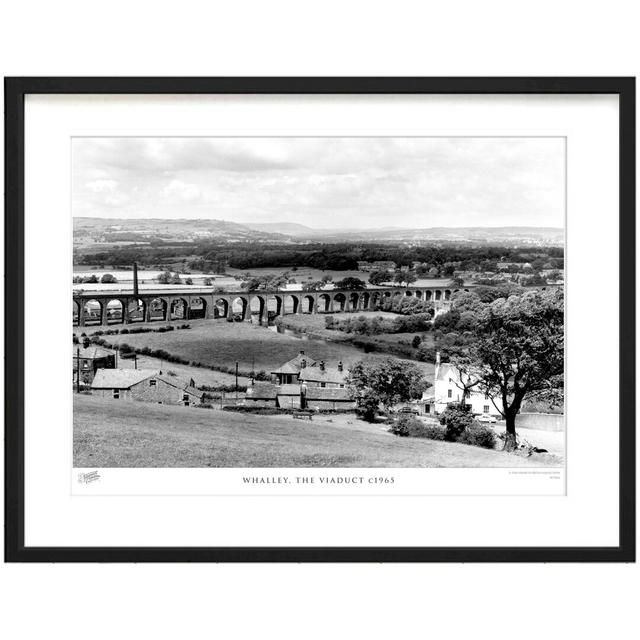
<point x="182" y="191"/>
<point x="102" y="186"/>
<point x="321" y="182"/>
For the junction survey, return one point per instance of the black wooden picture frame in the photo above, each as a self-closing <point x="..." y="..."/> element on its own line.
<point x="15" y="91"/>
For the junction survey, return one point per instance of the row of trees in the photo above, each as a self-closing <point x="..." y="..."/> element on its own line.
<point x="365" y="326"/>
<point x="107" y="278"/>
<point x="217" y="256"/>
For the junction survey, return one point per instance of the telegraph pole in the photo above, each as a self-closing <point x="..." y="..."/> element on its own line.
<point x="236" y="382"/>
<point x="78" y="370"/>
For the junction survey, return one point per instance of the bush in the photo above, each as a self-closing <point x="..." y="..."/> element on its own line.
<point x="409" y="426"/>
<point x="456" y="418"/>
<point x="478" y="435"/>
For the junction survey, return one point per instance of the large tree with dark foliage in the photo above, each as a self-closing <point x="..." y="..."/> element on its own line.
<point x="517" y="352"/>
<point x="350" y="283"/>
<point x="384" y="383"/>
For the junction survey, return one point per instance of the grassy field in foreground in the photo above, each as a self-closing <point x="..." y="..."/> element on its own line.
<point x="111" y="433"/>
<point x="217" y="342"/>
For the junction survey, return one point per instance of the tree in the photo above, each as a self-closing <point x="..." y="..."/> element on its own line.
<point x="164" y="278"/>
<point x="353" y="284"/>
<point x="517" y="352"/>
<point x="378" y="277"/>
<point x="384" y="382"/>
<point x="108" y="278"/>
<point x="313" y="285"/>
<point x="410" y="277"/>
<point x="398" y="276"/>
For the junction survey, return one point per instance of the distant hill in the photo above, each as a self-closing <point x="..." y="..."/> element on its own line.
<point x="118" y="230"/>
<point x="88" y="231"/>
<point x="285" y="228"/>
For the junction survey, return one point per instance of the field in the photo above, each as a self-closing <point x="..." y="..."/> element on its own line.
<point x="109" y="433"/>
<point x="217" y="342"/>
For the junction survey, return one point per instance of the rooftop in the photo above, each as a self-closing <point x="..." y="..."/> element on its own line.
<point x="92" y="352"/>
<point x="120" y="378"/>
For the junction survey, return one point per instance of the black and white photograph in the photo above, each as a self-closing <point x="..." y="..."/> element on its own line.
<point x="318" y="302"/>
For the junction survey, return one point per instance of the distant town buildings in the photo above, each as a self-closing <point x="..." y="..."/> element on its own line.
<point x="377" y="265"/>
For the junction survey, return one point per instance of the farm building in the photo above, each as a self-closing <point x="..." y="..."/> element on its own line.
<point x="289" y="372"/>
<point x="89" y="360"/>
<point x="145" y="385"/>
<point x="322" y="376"/>
<point x="289" y="396"/>
<point x="293" y="396"/>
<point x="261" y="394"/>
<point x="324" y="399"/>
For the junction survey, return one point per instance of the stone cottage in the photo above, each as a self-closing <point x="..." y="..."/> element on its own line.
<point x="145" y="385"/>
<point x="289" y="372"/>
<point x="322" y="376"/>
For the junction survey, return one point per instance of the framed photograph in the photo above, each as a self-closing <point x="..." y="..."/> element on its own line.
<point x="320" y="319"/>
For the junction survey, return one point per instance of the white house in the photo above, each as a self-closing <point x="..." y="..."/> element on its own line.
<point x="448" y="388"/>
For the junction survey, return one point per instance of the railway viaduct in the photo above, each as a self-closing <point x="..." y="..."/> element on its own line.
<point x="167" y="303"/>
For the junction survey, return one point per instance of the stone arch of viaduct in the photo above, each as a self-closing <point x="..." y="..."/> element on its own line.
<point x="112" y="307"/>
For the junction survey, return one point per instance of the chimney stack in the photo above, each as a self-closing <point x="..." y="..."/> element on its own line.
<point x="135" y="280"/>
<point x="303" y="363"/>
<point x="340" y="365"/>
<point x="321" y="365"/>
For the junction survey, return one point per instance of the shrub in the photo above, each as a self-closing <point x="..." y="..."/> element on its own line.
<point x="262" y="375"/>
<point x="478" y="435"/>
<point x="415" y="343"/>
<point x="405" y="425"/>
<point x="124" y="331"/>
<point x="410" y="426"/>
<point x="456" y="418"/>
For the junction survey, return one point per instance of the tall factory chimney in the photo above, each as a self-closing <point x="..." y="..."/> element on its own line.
<point x="135" y="280"/>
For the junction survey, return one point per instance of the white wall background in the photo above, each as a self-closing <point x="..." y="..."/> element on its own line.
<point x="319" y="38"/>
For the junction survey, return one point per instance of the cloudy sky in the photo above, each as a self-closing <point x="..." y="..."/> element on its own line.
<point x="324" y="182"/>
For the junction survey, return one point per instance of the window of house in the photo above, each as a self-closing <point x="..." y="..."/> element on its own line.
<point x="342" y="386"/>
<point x="152" y="382"/>
<point x="185" y="397"/>
<point x="116" y="394"/>
<point x="486" y="408"/>
<point x="323" y="384"/>
<point x="449" y="393"/>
